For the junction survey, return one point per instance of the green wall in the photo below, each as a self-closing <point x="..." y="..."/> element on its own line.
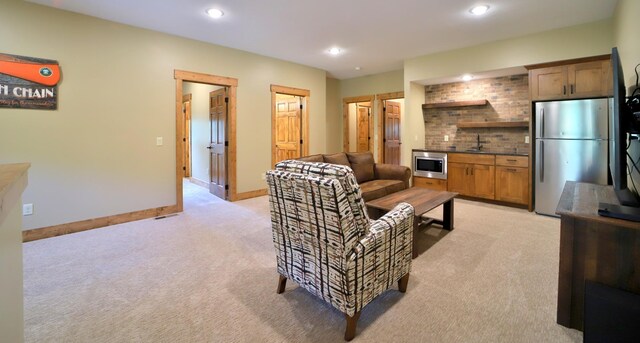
<point x="573" y="42"/>
<point x="96" y="155"/>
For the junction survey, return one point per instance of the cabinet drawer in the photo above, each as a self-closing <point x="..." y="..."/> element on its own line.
<point x="425" y="182"/>
<point x="472" y="158"/>
<point x="512" y="161"/>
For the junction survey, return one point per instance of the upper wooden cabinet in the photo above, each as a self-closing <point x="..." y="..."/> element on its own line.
<point x="575" y="79"/>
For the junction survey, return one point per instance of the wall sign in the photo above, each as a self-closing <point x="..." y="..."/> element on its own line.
<point x="28" y="82"/>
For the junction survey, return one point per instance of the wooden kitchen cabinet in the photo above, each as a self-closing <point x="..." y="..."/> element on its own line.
<point x="457" y="178"/>
<point x="472" y="175"/>
<point x="430" y="183"/>
<point x="565" y="80"/>
<point x="512" y="179"/>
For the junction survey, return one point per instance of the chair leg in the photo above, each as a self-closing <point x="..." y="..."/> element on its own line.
<point x="403" y="282"/>
<point x="352" y="322"/>
<point x="282" y="282"/>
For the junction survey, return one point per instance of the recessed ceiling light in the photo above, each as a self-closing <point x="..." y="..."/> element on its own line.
<point x="215" y="13"/>
<point x="334" y="51"/>
<point x="467" y="77"/>
<point x="358" y="68"/>
<point x="479" y="10"/>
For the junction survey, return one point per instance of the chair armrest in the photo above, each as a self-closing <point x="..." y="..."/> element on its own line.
<point x="381" y="257"/>
<point x="392" y="172"/>
<point x="394" y="226"/>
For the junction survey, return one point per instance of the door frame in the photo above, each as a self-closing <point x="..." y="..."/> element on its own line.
<point x="381" y="98"/>
<point x="305" y="98"/>
<point x="345" y="117"/>
<point x="186" y="122"/>
<point x="232" y="84"/>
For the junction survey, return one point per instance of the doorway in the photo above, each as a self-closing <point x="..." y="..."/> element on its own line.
<point x="225" y="138"/>
<point x="358" y="123"/>
<point x="391" y="107"/>
<point x="289" y="123"/>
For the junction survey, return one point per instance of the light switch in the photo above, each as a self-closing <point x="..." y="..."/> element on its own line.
<point x="27" y="209"/>
<point x="526" y="139"/>
<point x="446" y="138"/>
<point x="159" y="141"/>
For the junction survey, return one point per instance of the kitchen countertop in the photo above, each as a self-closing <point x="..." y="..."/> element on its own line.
<point x="481" y="152"/>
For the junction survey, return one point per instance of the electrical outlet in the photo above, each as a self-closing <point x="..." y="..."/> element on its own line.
<point x="446" y="138"/>
<point x="526" y="139"/>
<point x="27" y="209"/>
<point x="159" y="141"/>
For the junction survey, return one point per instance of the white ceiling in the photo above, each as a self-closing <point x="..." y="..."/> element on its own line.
<point x="376" y="35"/>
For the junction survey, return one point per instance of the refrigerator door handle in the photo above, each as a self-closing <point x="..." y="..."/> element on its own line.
<point x="542" y="122"/>
<point x="541" y="161"/>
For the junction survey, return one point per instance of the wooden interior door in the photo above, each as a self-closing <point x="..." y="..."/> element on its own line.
<point x="218" y="147"/>
<point x="186" y="122"/>
<point x="288" y="128"/>
<point x="392" y="132"/>
<point x="364" y="124"/>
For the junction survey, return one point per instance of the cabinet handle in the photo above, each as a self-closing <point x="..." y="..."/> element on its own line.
<point x="512" y="170"/>
<point x="466" y="171"/>
<point x="471" y="171"/>
<point x="510" y="160"/>
<point x="571" y="89"/>
<point x="564" y="90"/>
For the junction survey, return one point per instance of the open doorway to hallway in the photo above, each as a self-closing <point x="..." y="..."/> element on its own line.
<point x="219" y="95"/>
<point x="201" y="128"/>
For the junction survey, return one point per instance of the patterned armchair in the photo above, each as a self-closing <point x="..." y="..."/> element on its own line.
<point x="326" y="243"/>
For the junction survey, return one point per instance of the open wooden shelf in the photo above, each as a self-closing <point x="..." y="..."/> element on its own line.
<point x="484" y="124"/>
<point x="481" y="102"/>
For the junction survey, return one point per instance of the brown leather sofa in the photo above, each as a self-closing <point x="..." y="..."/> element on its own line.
<point x="375" y="179"/>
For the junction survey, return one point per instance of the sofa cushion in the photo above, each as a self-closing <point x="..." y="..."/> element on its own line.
<point x="375" y="189"/>
<point x="338" y="158"/>
<point x="362" y="165"/>
<point x="312" y="158"/>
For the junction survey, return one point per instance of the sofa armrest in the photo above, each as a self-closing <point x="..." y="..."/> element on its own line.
<point x="381" y="257"/>
<point x="392" y="172"/>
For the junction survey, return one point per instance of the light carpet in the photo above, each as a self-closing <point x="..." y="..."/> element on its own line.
<point x="208" y="275"/>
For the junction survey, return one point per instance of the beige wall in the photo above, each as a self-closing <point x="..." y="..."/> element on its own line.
<point x="334" y="116"/>
<point x="11" y="308"/>
<point x="372" y="84"/>
<point x="626" y="28"/>
<point x="96" y="155"/>
<point x="200" y="128"/>
<point x="12" y="184"/>
<point x="577" y="41"/>
<point x="628" y="43"/>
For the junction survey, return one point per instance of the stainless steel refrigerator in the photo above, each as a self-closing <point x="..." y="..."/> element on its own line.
<point x="571" y="145"/>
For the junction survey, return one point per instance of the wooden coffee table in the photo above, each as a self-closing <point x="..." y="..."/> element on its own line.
<point x="423" y="200"/>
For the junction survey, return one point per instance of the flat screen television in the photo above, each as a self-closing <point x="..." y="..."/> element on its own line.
<point x="620" y="121"/>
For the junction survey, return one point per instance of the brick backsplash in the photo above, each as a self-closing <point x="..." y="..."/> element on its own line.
<point x="508" y="100"/>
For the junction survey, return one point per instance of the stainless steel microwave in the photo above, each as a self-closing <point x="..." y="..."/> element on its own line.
<point x="430" y="164"/>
